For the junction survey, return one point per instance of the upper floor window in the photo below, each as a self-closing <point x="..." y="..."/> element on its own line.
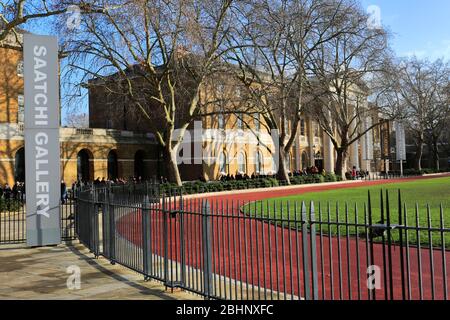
<point x="221" y="121"/>
<point x="223" y="163"/>
<point x="257" y="121"/>
<point x="239" y="122"/>
<point x="316" y="129"/>
<point x="20" y="69"/>
<point x="286" y="125"/>
<point x="302" y="127"/>
<point x="20" y="100"/>
<point x="21" y="109"/>
<point x="221" y="89"/>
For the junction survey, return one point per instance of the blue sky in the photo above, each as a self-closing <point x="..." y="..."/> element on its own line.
<point x="420" y="27"/>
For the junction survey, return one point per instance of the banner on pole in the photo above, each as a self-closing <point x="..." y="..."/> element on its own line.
<point x="400" y="141"/>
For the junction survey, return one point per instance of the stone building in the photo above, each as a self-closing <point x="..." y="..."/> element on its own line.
<point x="231" y="143"/>
<point x="118" y="145"/>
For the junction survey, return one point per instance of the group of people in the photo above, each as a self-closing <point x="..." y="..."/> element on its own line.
<point x="103" y="182"/>
<point x="17" y="192"/>
<point x="243" y="176"/>
<point x="356" y="174"/>
<point x="307" y="172"/>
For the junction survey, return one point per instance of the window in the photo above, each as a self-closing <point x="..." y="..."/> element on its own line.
<point x="305" y="160"/>
<point x="21" y="100"/>
<point x="302" y="127"/>
<point x="242" y="163"/>
<point x="286" y="124"/>
<point x="221" y="89"/>
<point x="221" y="121"/>
<point x="257" y="121"/>
<point x="287" y="162"/>
<point x="240" y="123"/>
<point x="259" y="164"/>
<point x="316" y="129"/>
<point x="223" y="163"/>
<point x="20" y="69"/>
<point x="21" y="108"/>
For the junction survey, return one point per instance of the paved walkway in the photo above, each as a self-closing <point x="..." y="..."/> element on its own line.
<point x="41" y="274"/>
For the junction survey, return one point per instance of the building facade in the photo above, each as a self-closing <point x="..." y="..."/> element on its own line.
<point x="117" y="145"/>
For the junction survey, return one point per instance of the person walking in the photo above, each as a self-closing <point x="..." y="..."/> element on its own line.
<point x="63" y="192"/>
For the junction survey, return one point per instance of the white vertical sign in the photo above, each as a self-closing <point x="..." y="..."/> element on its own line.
<point x="42" y="156"/>
<point x="400" y="141"/>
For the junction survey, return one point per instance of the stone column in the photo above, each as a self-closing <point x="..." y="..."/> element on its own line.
<point x="355" y="155"/>
<point x="312" y="155"/>
<point x="329" y="154"/>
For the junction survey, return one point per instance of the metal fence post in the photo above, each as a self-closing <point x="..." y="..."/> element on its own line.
<point x="112" y="228"/>
<point x="306" y="270"/>
<point x="146" y="244"/>
<point x="182" y="243"/>
<point x="207" y="249"/>
<point x="94" y="237"/>
<point x="166" y="240"/>
<point x="312" y="220"/>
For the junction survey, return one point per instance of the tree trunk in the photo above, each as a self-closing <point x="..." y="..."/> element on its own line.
<point x="282" y="174"/>
<point x="418" y="157"/>
<point x="340" y="160"/>
<point x="171" y="166"/>
<point x="436" y="154"/>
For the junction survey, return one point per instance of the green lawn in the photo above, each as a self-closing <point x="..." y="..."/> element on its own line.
<point x="432" y="192"/>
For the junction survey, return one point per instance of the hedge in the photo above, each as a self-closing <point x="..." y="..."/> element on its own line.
<point x="195" y="187"/>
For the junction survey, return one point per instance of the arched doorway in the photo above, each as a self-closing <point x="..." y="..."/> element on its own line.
<point x="139" y="165"/>
<point x="319" y="161"/>
<point x="19" y="166"/>
<point x="113" y="169"/>
<point x="84" y="165"/>
<point x="305" y="160"/>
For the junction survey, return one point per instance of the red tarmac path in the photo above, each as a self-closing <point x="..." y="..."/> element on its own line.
<point x="271" y="257"/>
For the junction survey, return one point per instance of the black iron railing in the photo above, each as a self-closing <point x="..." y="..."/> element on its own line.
<point x="13" y="219"/>
<point x="269" y="250"/>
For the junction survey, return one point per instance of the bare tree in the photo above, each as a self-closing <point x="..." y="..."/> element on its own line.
<point x="419" y="94"/>
<point x="277" y="42"/>
<point x="343" y="67"/>
<point x="160" y="53"/>
<point x="77" y="120"/>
